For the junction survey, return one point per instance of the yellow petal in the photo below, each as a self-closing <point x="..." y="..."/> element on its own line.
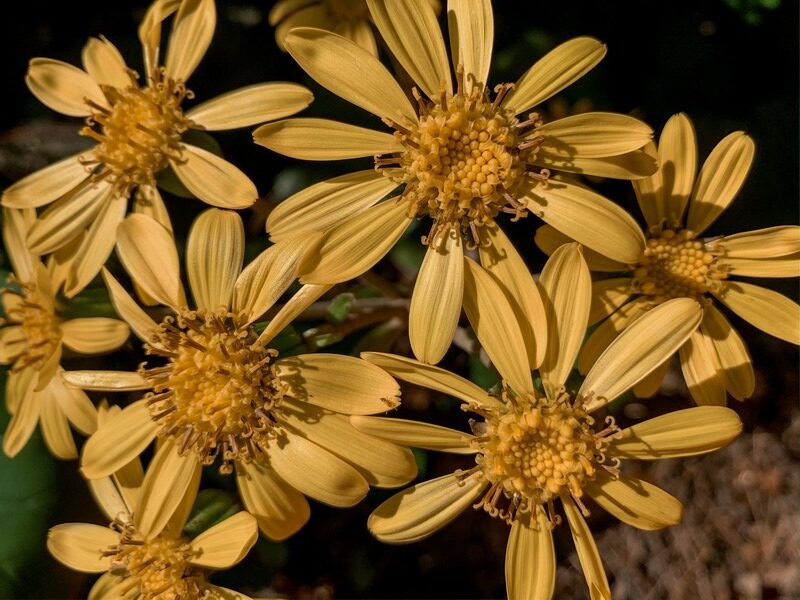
<point x="139" y="321"/>
<point x="772" y="242"/>
<point x="588" y="218"/>
<point x="553" y="72"/>
<point x="357" y="244"/>
<point x="150" y="31"/>
<point x="649" y="193"/>
<point x="226" y="543"/>
<point x="94" y="335"/>
<point x="702" y="371"/>
<point x="214" y="254"/>
<point x="360" y="32"/>
<point x="55" y="427"/>
<point x="637" y="165"/>
<point x="734" y="360"/>
<point x="110" y="498"/>
<point x="108" y="586"/>
<point x="548" y="239"/>
<point x="471" y="26"/>
<point x="23" y="422"/>
<point x="251" y="105"/>
<point x="608" y="330"/>
<point x="49" y="368"/>
<point x="436" y="299"/>
<point x="149" y="202"/>
<point x="16" y="224"/>
<point x="118" y="441"/>
<point x="768" y="310"/>
<point x="63" y="88"/>
<point x="279" y="509"/>
<point x="168" y="478"/>
<point x="530" y="557"/>
<point x="340" y="383"/>
<point x="416" y="434"/>
<point x="423" y="509"/>
<point x="13" y="343"/>
<point x="317" y="15"/>
<point x="316" y="472"/>
<point x="635" y="502"/>
<point x="588" y="555"/>
<point x="284" y="8"/>
<point x="681" y="433"/>
<point x="410" y="29"/>
<point x="381" y="463"/>
<point x="148" y="252"/>
<point x="677" y="157"/>
<point x="607" y="296"/>
<point x="18" y="385"/>
<point x="495" y="324"/>
<point x="104" y="63"/>
<point x="80" y="546"/>
<point x="213" y="179"/>
<point x="215" y="592"/>
<point x="76" y="406"/>
<point x="567" y="288"/>
<point x="593" y="135"/>
<point x="323" y="205"/>
<point x="432" y="378"/>
<point x="719" y="180"/>
<point x="785" y="266"/>
<point x="350" y="72"/>
<point x="502" y="260"/>
<point x="191" y="35"/>
<point x="646" y="343"/>
<point x="45" y="185"/>
<point x="323" y="139"/>
<point x="301" y="300"/>
<point x="106" y="381"/>
<point x="651" y="384"/>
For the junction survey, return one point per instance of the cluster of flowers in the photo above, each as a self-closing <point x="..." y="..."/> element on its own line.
<point x="460" y="153"/>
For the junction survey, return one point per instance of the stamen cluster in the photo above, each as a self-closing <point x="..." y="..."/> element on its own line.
<point x="28" y="308"/>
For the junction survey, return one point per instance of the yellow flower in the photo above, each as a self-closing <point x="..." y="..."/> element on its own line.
<point x="138" y="127"/>
<point x="675" y="261"/>
<point x="461" y="155"/>
<point x="348" y="18"/>
<point x="145" y="562"/>
<point x="32" y="339"/>
<point x="534" y="448"/>
<point x="218" y="392"/>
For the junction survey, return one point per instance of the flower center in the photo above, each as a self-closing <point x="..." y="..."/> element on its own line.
<point x="464" y="160"/>
<point x="157" y="568"/>
<point x="33" y="310"/>
<point x="347" y="9"/>
<point x="535" y="450"/>
<point x="140" y="132"/>
<point x="676" y="265"/>
<point x="218" y="393"/>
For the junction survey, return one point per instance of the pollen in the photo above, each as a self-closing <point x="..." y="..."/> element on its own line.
<point x="676" y="265"/>
<point x="139" y="133"/>
<point x="464" y="160"/>
<point x="33" y="310"/>
<point x="218" y="393"/>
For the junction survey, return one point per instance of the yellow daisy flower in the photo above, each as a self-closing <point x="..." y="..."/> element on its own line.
<point x="461" y="156"/>
<point x="677" y="262"/>
<point x="348" y="18"/>
<point x="219" y="392"/>
<point x="32" y="339"/>
<point x="533" y="449"/>
<point x="142" y="562"/>
<point x="138" y="127"/>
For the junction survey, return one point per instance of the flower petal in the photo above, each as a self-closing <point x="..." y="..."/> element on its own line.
<point x="301" y="300"/>
<point x="719" y="180"/>
<point x="651" y="383"/>
<point x="768" y="310"/>
<point x="677" y="157"/>
<point x="45" y="185"/>
<point x="734" y="360"/>
<point x="702" y="371"/>
<point x="215" y="592"/>
<point x="635" y="502"/>
<point x="26" y="415"/>
<point x="191" y="35"/>
<point x="607" y="296"/>
<point x="588" y="555"/>
<point x="436" y="299"/>
<point x="214" y="254"/>
<point x="357" y="244"/>
<point x="80" y="546"/>
<point x="317" y="15"/>
<point x="416" y="434"/>
<point x="226" y="543"/>
<point x="55" y="427"/>
<point x="785" y="266"/>
<point x="94" y="335"/>
<point x="323" y="139"/>
<point x="410" y="29"/>
<point x="772" y="242"/>
<point x="251" y="105"/>
<point x="213" y="179"/>
<point x="492" y="317"/>
<point x="340" y="383"/>
<point x="16" y="225"/>
<point x="471" y="26"/>
<point x="593" y="135"/>
<point x="530" y="557"/>
<point x="608" y="330"/>
<point x="553" y="72"/>
<point x="588" y="218"/>
<point x="106" y="381"/>
<point x="421" y="510"/>
<point x="140" y="322"/>
<point x="104" y="63"/>
<point x="76" y="406"/>
<point x="63" y="88"/>
<point x="567" y="288"/>
<point x="646" y="343"/>
<point x="108" y="587"/>
<point x="548" y="239"/>
<point x="350" y="72"/>
<point x="638" y="165"/>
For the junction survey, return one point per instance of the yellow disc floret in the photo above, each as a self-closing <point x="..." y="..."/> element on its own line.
<point x="32" y="309"/>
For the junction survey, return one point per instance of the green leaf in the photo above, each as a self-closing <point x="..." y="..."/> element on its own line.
<point x="211" y="507"/>
<point x="340" y="307"/>
<point x="480" y="374"/>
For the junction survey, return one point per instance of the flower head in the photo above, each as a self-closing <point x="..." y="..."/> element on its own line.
<point x="138" y="124"/>
<point x="676" y="261"/>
